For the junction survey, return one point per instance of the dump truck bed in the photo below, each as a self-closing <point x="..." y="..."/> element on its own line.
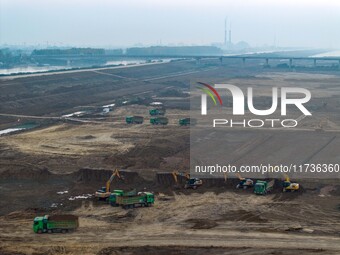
<point x="65" y="217"/>
<point x="142" y="199"/>
<point x="62" y="222"/>
<point x="130" y="200"/>
<point x="159" y="120"/>
<point x="134" y="119"/>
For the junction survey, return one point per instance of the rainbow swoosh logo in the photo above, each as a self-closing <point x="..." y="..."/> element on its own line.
<point x="209" y="90"/>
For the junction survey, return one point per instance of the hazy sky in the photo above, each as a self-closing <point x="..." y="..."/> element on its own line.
<point x="127" y="22"/>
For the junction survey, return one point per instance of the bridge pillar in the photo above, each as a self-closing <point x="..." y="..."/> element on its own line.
<point x="244" y="61"/>
<point x="314" y="62"/>
<point x="290" y="63"/>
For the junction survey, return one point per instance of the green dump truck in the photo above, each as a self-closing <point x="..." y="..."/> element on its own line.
<point x="55" y="224"/>
<point x="134" y="119"/>
<point x="156" y="111"/>
<point x="120" y="193"/>
<point x="159" y="121"/>
<point x="263" y="187"/>
<point x="186" y="122"/>
<point x="140" y="200"/>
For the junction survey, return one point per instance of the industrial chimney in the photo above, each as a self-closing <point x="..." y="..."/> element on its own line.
<point x="225" y="31"/>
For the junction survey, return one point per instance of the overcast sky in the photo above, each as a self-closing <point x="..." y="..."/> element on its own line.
<point x="301" y="23"/>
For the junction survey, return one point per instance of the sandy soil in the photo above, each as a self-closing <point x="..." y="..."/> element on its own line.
<point x="224" y="223"/>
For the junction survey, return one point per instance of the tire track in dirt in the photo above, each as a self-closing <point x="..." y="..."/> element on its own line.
<point x="319" y="150"/>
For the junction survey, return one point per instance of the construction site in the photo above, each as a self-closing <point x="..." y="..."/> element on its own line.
<point x="109" y="148"/>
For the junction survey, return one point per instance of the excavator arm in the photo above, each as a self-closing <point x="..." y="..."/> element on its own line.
<point x="190" y="182"/>
<point x="244" y="182"/>
<point x="114" y="174"/>
<point x="287" y="179"/>
<point x="240" y="177"/>
<point x="176" y="173"/>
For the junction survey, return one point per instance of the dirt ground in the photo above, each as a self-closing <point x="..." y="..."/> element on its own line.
<point x="79" y="156"/>
<point x="208" y="223"/>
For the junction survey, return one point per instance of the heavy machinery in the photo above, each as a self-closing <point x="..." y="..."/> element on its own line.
<point x="244" y="183"/>
<point x="289" y="186"/>
<point x="156" y="111"/>
<point x="55" y="223"/>
<point x="134" y="119"/>
<point x="120" y="193"/>
<point x="191" y="183"/>
<point x="186" y="122"/>
<point x="263" y="187"/>
<point x="104" y="192"/>
<point x="159" y="121"/>
<point x="140" y="200"/>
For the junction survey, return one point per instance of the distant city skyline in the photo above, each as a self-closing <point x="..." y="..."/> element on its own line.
<point x="111" y="24"/>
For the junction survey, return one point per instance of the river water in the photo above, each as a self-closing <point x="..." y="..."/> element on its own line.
<point x="25" y="126"/>
<point x="328" y="54"/>
<point x="38" y="69"/>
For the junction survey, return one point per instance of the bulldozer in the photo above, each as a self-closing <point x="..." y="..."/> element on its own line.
<point x="289" y="186"/>
<point x="104" y="192"/>
<point x="244" y="183"/>
<point x="191" y="183"/>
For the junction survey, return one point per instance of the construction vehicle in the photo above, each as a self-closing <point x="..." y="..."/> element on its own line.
<point x="120" y="193"/>
<point x="104" y="192"/>
<point x="289" y="186"/>
<point x="159" y="121"/>
<point x="244" y="183"/>
<point x="263" y="187"/>
<point x="134" y="119"/>
<point x="191" y="183"/>
<point x="55" y="224"/>
<point x="156" y="111"/>
<point x="186" y="122"/>
<point x="140" y="200"/>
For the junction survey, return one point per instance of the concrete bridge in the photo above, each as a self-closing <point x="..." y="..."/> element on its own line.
<point x="198" y="58"/>
<point x="290" y="59"/>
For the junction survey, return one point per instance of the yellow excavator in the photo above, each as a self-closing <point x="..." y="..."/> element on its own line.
<point x="104" y="192"/>
<point x="289" y="186"/>
<point x="191" y="183"/>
